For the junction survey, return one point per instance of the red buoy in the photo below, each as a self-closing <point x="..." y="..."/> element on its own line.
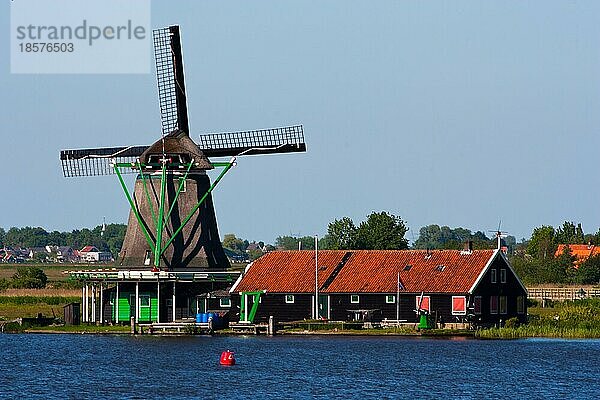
<point x="227" y="358"/>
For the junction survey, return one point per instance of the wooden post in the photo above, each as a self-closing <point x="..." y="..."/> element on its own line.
<point x="271" y="327"/>
<point x="132" y="321"/>
<point x="87" y="305"/>
<point x="116" y="304"/>
<point x="93" y="303"/>
<point x="101" y="303"/>
<point x="137" y="302"/>
<point x="174" y="301"/>
<point x="83" y="303"/>
<point x="157" y="302"/>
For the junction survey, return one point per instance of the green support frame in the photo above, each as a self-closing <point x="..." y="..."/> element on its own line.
<point x="243" y="306"/>
<point x="156" y="246"/>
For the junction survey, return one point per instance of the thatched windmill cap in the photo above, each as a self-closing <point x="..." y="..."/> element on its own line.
<point x="178" y="142"/>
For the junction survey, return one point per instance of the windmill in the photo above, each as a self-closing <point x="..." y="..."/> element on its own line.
<point x="172" y="222"/>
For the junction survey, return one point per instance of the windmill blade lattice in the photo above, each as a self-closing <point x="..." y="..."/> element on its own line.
<point x="263" y="141"/>
<point x="170" y="79"/>
<point x="95" y="162"/>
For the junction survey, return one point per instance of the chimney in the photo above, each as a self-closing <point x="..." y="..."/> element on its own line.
<point x="468" y="246"/>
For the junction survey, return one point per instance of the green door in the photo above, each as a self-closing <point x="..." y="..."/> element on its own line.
<point x="323" y="306"/>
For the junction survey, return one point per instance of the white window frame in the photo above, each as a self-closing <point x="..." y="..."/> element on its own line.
<point x="520" y="304"/>
<point x="289" y="298"/>
<point x="354" y="299"/>
<point x="493" y="277"/>
<point x="221" y="304"/>
<point x="492" y="311"/>
<point x="505" y="311"/>
<point x="149" y="301"/>
<point x="459" y="312"/>
<point x="503" y="275"/>
<point x="390" y="299"/>
<point x="480" y="305"/>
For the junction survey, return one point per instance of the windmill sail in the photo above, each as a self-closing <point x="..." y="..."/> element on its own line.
<point x="170" y="79"/>
<point x="264" y="141"/>
<point x="94" y="162"/>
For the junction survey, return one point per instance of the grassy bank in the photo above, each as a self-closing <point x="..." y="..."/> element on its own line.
<point x="18" y="303"/>
<point x="569" y="320"/>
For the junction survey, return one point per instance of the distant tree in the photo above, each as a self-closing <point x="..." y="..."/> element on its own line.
<point x="569" y="233"/>
<point x="436" y="237"/>
<point x="341" y="235"/>
<point x="231" y="242"/>
<point x="382" y="231"/>
<point x="291" y="242"/>
<point x="2" y="236"/>
<point x="542" y="244"/>
<point x="254" y="254"/>
<point x="588" y="272"/>
<point x="29" y="278"/>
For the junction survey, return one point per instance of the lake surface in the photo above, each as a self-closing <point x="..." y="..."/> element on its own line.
<point x="88" y="366"/>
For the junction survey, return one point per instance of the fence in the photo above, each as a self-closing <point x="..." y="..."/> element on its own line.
<point x="562" y="294"/>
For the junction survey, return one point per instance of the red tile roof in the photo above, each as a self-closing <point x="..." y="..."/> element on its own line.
<point x="366" y="271"/>
<point x="87" y="249"/>
<point x="581" y="251"/>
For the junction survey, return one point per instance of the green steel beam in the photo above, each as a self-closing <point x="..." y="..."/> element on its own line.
<point x="227" y="167"/>
<point x="254" y="308"/>
<point x="147" y="194"/>
<point x="179" y="189"/>
<point x="161" y="211"/>
<point x="134" y="209"/>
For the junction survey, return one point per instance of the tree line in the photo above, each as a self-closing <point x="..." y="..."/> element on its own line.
<point x="105" y="238"/>
<point x="533" y="259"/>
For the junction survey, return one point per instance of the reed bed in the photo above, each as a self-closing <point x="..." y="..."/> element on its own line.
<point x="48" y="292"/>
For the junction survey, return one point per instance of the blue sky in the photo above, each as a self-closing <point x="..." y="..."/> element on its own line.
<point x="455" y="113"/>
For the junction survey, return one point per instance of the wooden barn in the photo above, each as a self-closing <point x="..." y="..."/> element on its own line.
<point x="469" y="286"/>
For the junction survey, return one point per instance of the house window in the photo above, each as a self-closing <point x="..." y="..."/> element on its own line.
<point x="289" y="298"/>
<point x="459" y="305"/>
<point x="502" y="304"/>
<point x="477" y="305"/>
<point x="390" y="299"/>
<point x="520" y="304"/>
<point x="354" y="299"/>
<point x="493" y="304"/>
<point x="225" y="302"/>
<point x="407" y="267"/>
<point x="422" y="305"/>
<point x="503" y="275"/>
<point x="440" y="268"/>
<point x="144" y="301"/>
<point x="493" y="275"/>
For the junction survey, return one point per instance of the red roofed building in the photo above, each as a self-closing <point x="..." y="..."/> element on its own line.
<point x="458" y="286"/>
<point x="581" y="252"/>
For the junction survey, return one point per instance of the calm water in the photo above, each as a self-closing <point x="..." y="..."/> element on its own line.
<point x="86" y="366"/>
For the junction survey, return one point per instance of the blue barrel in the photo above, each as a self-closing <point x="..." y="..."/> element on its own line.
<point x="204" y="318"/>
<point x="199" y="317"/>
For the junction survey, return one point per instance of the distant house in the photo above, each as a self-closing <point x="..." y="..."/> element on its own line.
<point x="478" y="286"/>
<point x="581" y="252"/>
<point x="40" y="252"/>
<point x="63" y="254"/>
<point x="234" y="257"/>
<point x="92" y="254"/>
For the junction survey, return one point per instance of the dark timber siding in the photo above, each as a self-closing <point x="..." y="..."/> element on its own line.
<point x="511" y="289"/>
<point x="274" y="304"/>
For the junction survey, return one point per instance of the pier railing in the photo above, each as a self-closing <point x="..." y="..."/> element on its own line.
<point x="562" y="293"/>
